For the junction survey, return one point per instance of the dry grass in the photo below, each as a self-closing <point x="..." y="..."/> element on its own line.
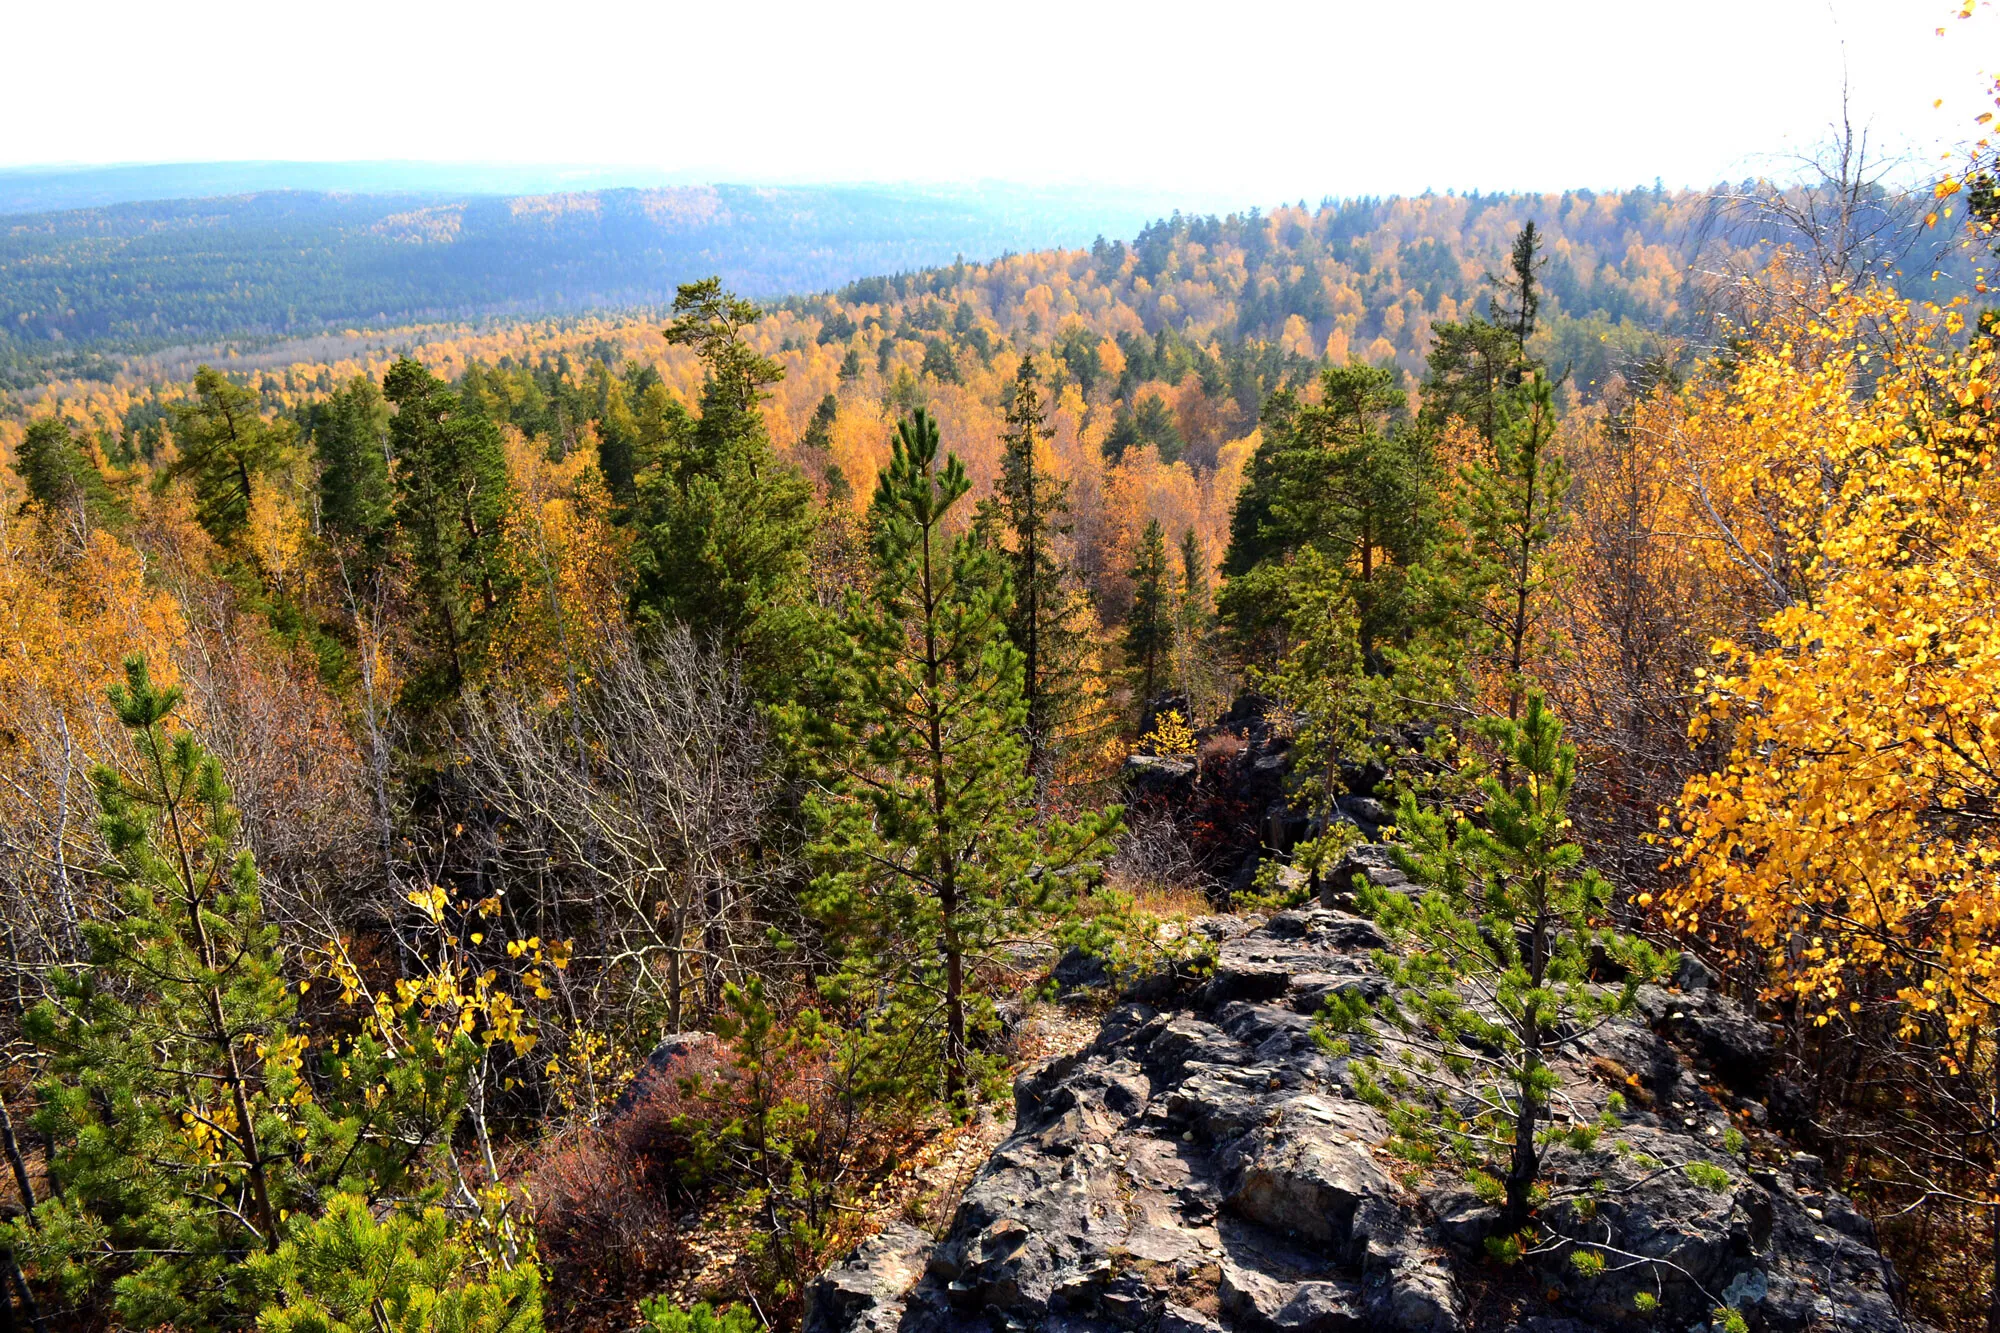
<point x="1171" y="901"/>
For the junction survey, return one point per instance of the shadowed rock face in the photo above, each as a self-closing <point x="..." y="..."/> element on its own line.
<point x="1204" y="1165"/>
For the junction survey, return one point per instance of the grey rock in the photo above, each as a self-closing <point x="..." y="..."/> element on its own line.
<point x="1691" y="974"/>
<point x="1364" y="810"/>
<point x="1158" y="776"/>
<point x="1180" y="1319"/>
<point x="1077" y="970"/>
<point x="865" y="1291"/>
<point x="1203" y="1166"/>
<point x="1372" y="861"/>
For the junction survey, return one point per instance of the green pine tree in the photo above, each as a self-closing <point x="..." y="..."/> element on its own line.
<point x="1149" y="629"/>
<point x="452" y="497"/>
<point x="1491" y="974"/>
<point x="725" y="527"/>
<point x="350" y="1272"/>
<point x="187" y="1131"/>
<point x="924" y="815"/>
<point x="229" y="450"/>
<point x="1346" y="478"/>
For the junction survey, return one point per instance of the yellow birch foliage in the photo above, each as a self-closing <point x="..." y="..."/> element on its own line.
<point x="1850" y="833"/>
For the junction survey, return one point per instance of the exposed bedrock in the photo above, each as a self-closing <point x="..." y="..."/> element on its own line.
<point x="1205" y="1165"/>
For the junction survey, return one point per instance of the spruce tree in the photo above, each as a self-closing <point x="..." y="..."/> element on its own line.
<point x="1149" y="628"/>
<point x="725" y="527"/>
<point x="618" y="447"/>
<point x="1194" y="665"/>
<point x="925" y="823"/>
<point x="452" y="497"/>
<point x="350" y="434"/>
<point x="1519" y="304"/>
<point x="229" y="449"/>
<point x="186" y="1131"/>
<point x="1475" y="363"/>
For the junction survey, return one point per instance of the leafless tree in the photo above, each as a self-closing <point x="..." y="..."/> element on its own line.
<point x="634" y="819"/>
<point x="1843" y="212"/>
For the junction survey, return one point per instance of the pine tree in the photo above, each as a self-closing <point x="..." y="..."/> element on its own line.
<point x="1028" y="510"/>
<point x="925" y="819"/>
<point x="1149" y="628"/>
<point x="186" y="1134"/>
<point x="452" y="498"/>
<point x="229" y="449"/>
<point x="1468" y="368"/>
<point x="1346" y="478"/>
<point x="725" y="527"/>
<point x="350" y="433"/>
<point x="350" y="1272"/>
<point x="1492" y="977"/>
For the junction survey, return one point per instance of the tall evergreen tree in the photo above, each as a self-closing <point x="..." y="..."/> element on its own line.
<point x="228" y="448"/>
<point x="1194" y="580"/>
<point x="1474" y="363"/>
<point x="618" y="441"/>
<point x="1150" y="627"/>
<point x="724" y="526"/>
<point x="350" y="433"/>
<point x="1346" y="478"/>
<point x="1519" y="303"/>
<point x="1513" y="512"/>
<point x="452" y="497"/>
<point x="926" y="830"/>
<point x="1029" y="509"/>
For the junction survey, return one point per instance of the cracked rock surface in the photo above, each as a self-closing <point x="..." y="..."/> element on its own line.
<point x="1204" y="1165"/>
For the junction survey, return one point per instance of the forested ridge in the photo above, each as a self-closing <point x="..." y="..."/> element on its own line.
<point x="573" y="824"/>
<point x="80" y="287"/>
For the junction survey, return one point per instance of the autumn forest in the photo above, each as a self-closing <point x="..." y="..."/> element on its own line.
<point x="533" y="795"/>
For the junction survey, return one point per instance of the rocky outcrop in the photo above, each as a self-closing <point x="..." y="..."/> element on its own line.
<point x="1205" y="1165"/>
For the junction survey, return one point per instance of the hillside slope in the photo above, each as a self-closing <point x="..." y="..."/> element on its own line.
<point x="285" y="262"/>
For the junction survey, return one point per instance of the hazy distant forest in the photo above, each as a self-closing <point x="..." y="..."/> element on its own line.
<point x="522" y="824"/>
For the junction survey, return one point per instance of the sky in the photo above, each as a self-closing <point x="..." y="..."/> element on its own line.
<point x="1227" y="100"/>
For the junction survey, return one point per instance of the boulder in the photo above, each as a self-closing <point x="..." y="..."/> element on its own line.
<point x="864" y="1293"/>
<point x="1158" y="777"/>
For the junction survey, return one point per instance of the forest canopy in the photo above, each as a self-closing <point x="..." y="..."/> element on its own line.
<point x="571" y="823"/>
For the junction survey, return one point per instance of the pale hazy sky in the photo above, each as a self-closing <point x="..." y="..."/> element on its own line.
<point x="1258" y="99"/>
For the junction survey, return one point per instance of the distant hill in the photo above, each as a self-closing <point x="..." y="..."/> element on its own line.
<point x="63" y="188"/>
<point x="288" y="263"/>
